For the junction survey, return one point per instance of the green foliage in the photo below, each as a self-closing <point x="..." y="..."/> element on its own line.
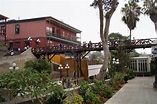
<point x="27" y="82"/>
<point x="121" y="53"/>
<point x="131" y="12"/>
<point x="149" y="7"/>
<point x="77" y="99"/>
<point x="134" y="53"/>
<point x="95" y="58"/>
<point x="130" y="73"/>
<point x="57" y="97"/>
<point x="84" y="89"/>
<point x="102" y="89"/>
<point x="93" y="93"/>
<point x="40" y="65"/>
<point x="92" y="98"/>
<point x="117" y="81"/>
<point x="2" y="99"/>
<point x="112" y="70"/>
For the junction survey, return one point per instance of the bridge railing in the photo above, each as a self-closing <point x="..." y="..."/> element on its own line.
<point x="90" y="45"/>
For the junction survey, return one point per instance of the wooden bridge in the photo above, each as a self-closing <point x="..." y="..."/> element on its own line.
<point x="87" y="47"/>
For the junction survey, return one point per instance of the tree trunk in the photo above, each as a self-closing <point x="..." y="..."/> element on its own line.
<point x="130" y="35"/>
<point x="104" y="34"/>
<point x="153" y="17"/>
<point x="155" y="27"/>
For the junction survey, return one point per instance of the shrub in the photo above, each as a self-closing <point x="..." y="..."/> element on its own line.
<point x="77" y="99"/>
<point x="40" y="65"/>
<point x="84" y="89"/>
<point x="57" y="97"/>
<point x="92" y="99"/>
<point x="2" y="99"/>
<point x="102" y="89"/>
<point x="130" y="73"/>
<point x="117" y="81"/>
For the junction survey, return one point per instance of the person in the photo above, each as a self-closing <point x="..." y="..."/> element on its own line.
<point x="12" y="53"/>
<point x="68" y="84"/>
<point x="84" y="44"/>
<point x="60" y="45"/>
<point x="74" y="84"/>
<point x="25" y="48"/>
<point x="89" y="44"/>
<point x="19" y="50"/>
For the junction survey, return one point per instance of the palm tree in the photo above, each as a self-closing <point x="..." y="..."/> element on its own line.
<point x="150" y="8"/>
<point x="131" y="12"/>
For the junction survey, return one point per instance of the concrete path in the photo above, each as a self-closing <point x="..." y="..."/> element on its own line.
<point x="137" y="91"/>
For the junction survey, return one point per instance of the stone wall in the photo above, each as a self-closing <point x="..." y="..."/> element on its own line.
<point x="6" y="62"/>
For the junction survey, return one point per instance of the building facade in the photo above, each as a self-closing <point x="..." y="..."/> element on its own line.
<point x="46" y="30"/>
<point x="141" y="64"/>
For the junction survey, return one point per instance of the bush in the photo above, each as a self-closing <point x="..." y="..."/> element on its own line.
<point x="85" y="89"/>
<point x="2" y="99"/>
<point x="102" y="89"/>
<point x="92" y="99"/>
<point x="77" y="99"/>
<point x="40" y="65"/>
<point x="130" y="73"/>
<point x="57" y="97"/>
<point x="117" y="81"/>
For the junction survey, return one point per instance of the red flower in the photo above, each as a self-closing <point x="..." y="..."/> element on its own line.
<point x="101" y="94"/>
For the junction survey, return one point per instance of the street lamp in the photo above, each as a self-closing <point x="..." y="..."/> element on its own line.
<point x="37" y="43"/>
<point x="67" y="68"/>
<point x="29" y="40"/>
<point x="13" y="67"/>
<point x="60" y="69"/>
<point x="38" y="40"/>
<point x="115" y="61"/>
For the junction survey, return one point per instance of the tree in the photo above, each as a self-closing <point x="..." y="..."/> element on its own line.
<point x="106" y="10"/>
<point x="95" y="57"/>
<point x="121" y="53"/>
<point x="150" y="8"/>
<point x="131" y="13"/>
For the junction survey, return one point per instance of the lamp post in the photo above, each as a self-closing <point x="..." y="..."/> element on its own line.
<point x="29" y="40"/>
<point x="60" y="69"/>
<point x="37" y="43"/>
<point x="115" y="62"/>
<point x="13" y="67"/>
<point x="67" y="68"/>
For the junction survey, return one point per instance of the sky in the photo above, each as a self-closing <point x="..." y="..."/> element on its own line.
<point x="78" y="14"/>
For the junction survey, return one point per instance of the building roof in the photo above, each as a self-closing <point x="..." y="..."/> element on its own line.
<point x="48" y="19"/>
<point x="2" y="17"/>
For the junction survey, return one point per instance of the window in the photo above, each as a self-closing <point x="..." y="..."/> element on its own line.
<point x="17" y="44"/>
<point x="17" y="29"/>
<point x="2" y="30"/>
<point x="53" y="30"/>
<point x="58" y="32"/>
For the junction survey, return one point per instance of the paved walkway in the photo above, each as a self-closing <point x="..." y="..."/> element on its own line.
<point x="137" y="91"/>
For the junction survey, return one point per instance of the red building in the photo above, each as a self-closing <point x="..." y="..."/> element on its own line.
<point x="50" y="32"/>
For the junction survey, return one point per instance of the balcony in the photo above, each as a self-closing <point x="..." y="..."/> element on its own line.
<point x="67" y="40"/>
